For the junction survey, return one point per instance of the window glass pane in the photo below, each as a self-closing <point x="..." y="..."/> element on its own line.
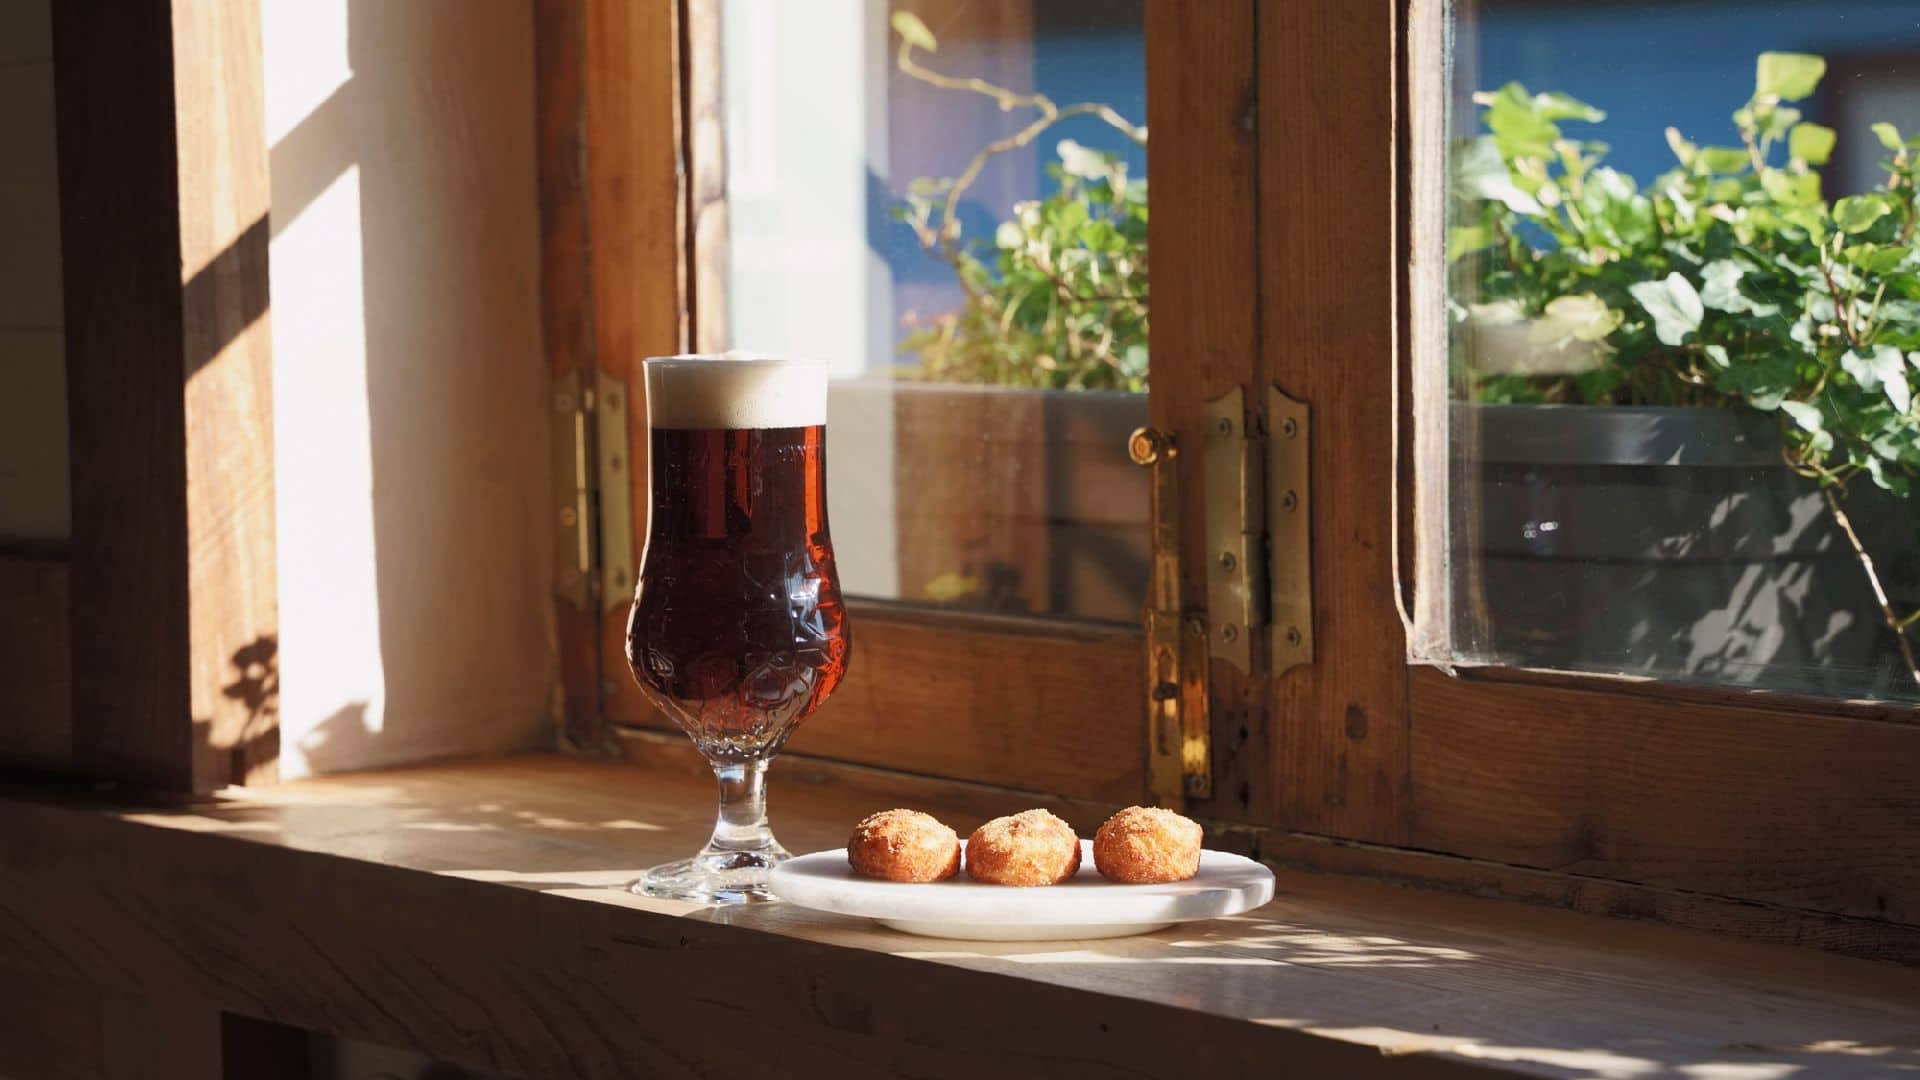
<point x="1685" y="337"/>
<point x="989" y="364"/>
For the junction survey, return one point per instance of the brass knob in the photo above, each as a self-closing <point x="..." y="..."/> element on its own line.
<point x="1148" y="445"/>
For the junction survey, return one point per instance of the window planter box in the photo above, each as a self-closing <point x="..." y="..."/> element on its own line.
<point x="989" y="498"/>
<point x="1670" y="541"/>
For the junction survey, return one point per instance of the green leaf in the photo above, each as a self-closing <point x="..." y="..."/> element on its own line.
<point x="1808" y="419"/>
<point x="1811" y="143"/>
<point x="1087" y="164"/>
<point x="1787" y="76"/>
<point x="1466" y="239"/>
<point x="1674" y="305"/>
<point x="1878" y="258"/>
<point x="1790" y="189"/>
<point x="1584" y="318"/>
<point x="1857" y="213"/>
<point x="1779" y="122"/>
<point x="1888" y="135"/>
<point x="1898" y="483"/>
<point x="1721" y="290"/>
<point x="1518" y="124"/>
<point x="1557" y="106"/>
<point x="1483" y="174"/>
<point x="1884" y="369"/>
<point x="1713" y="160"/>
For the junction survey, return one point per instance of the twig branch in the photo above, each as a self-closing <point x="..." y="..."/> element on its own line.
<point x="1894" y="622"/>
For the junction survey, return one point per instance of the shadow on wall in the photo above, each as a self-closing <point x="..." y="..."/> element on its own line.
<point x="410" y="382"/>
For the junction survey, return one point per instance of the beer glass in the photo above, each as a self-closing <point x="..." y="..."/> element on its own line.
<point x="737" y="630"/>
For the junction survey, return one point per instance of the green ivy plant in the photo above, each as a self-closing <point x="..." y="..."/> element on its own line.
<point x="1059" y="301"/>
<point x="1729" y="280"/>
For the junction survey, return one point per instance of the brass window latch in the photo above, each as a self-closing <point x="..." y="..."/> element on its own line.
<point x="1258" y="567"/>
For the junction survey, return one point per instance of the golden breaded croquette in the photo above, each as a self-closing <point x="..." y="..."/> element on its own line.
<point x="1029" y="848"/>
<point x="904" y="845"/>
<point x="1147" y="845"/>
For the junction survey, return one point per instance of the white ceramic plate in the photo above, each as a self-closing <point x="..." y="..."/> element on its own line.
<point x="1087" y="907"/>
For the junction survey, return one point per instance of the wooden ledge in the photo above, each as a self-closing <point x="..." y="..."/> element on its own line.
<point x="470" y="911"/>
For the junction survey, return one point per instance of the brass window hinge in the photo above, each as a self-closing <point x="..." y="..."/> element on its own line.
<point x="592" y="492"/>
<point x="1258" y="538"/>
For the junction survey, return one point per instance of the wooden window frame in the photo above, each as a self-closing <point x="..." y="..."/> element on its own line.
<point x="1049" y="706"/>
<point x="1295" y="173"/>
<point x="1802" y="809"/>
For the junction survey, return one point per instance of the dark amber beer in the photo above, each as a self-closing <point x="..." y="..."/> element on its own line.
<point x="737" y="629"/>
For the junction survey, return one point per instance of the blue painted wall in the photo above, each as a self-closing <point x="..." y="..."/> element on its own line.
<point x="1685" y="64"/>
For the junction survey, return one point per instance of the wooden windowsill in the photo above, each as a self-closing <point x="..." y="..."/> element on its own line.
<point x="470" y="910"/>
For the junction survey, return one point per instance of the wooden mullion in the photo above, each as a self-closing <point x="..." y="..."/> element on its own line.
<point x="163" y="183"/>
<point x="566" y="311"/>
<point x="1206" y="318"/>
<point x="1327" y="283"/>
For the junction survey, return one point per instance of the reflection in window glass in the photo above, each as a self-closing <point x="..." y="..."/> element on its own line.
<point x="971" y="258"/>
<point x="1686" y="341"/>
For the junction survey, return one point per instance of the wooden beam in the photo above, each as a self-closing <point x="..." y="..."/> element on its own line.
<point x="163" y="184"/>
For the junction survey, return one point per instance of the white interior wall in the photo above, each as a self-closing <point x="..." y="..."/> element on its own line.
<point x="410" y="386"/>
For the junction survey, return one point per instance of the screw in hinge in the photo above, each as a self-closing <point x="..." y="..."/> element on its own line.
<point x="1289" y="427"/>
<point x="568" y="517"/>
<point x="563" y="402"/>
<point x="1229" y="632"/>
<point x="1196" y="624"/>
<point x="1289" y="501"/>
<point x="1293" y="636"/>
<point x="1228" y="562"/>
<point x="1224" y="426"/>
<point x="1194" y="784"/>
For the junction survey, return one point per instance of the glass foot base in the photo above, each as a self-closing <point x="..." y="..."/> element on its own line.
<point x="714" y="877"/>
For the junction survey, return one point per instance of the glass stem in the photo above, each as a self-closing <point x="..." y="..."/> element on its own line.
<point x="742" y="824"/>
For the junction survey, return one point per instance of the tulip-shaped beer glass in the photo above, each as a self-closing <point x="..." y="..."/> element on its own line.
<point x="737" y="630"/>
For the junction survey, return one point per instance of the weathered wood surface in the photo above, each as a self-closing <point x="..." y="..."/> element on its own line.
<point x="469" y="911"/>
<point x="1805" y="811"/>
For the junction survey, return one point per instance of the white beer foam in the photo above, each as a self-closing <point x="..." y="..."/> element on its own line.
<point x="735" y="390"/>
